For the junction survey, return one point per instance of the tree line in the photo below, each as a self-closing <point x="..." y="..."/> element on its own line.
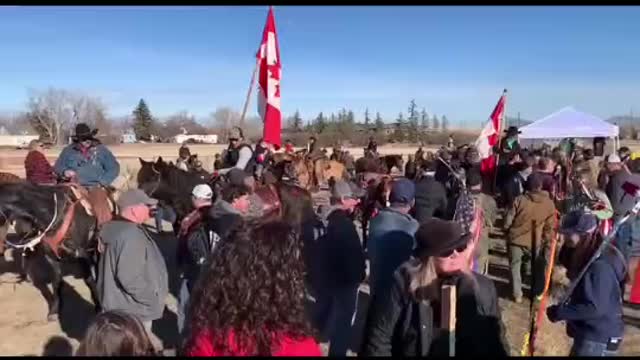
<point x="414" y="126"/>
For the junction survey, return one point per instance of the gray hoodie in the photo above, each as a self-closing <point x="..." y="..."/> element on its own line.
<point x="132" y="272"/>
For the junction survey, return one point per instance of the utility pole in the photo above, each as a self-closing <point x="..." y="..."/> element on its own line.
<point x="519" y="119"/>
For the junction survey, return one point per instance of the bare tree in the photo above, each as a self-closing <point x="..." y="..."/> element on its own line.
<point x="53" y="112"/>
<point x="16" y="123"/>
<point x="181" y="122"/>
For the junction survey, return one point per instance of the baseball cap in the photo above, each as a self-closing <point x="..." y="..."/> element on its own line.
<point x="135" y="197"/>
<point x="403" y="191"/>
<point x="341" y="189"/>
<point x="578" y="222"/>
<point x="202" y="191"/>
<point x="613" y="159"/>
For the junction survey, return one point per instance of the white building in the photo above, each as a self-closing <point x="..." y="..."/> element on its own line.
<point x="207" y="139"/>
<point x="19" y="141"/>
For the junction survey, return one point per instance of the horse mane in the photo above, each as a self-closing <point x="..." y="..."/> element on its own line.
<point x="32" y="202"/>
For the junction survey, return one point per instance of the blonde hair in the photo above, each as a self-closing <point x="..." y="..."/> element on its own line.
<point x="34" y="144"/>
<point x="423" y="279"/>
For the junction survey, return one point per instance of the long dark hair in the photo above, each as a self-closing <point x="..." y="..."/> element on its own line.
<point x="252" y="288"/>
<point x="115" y="333"/>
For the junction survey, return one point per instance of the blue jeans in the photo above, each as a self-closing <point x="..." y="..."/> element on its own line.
<point x="343" y="309"/>
<point x="583" y="347"/>
<point x="183" y="303"/>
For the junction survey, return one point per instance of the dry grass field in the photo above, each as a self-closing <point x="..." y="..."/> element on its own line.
<point x="25" y="331"/>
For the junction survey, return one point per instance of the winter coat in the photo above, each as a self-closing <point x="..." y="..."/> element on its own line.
<point x="400" y="326"/>
<point x="288" y="346"/>
<point x="341" y="252"/>
<point x="431" y="199"/>
<point x="513" y="188"/>
<point x="38" y="169"/>
<point x="594" y="310"/>
<point x="532" y="207"/>
<point x="132" y="272"/>
<point x="93" y="166"/>
<point x="390" y="244"/>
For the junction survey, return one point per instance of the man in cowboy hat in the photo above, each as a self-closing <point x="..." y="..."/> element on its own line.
<point x="509" y="143"/>
<point x="239" y="154"/>
<point x="86" y="160"/>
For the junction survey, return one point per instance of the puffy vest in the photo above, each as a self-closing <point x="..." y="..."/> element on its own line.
<point x="234" y="154"/>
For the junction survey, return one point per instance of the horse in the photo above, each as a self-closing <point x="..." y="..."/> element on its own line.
<point x="382" y="165"/>
<point x="169" y="185"/>
<point x="6" y="178"/>
<point x="57" y="223"/>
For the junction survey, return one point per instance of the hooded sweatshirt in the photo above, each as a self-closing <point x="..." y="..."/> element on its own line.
<point x="529" y="209"/>
<point x="391" y="241"/>
<point x="594" y="311"/>
<point x="132" y="274"/>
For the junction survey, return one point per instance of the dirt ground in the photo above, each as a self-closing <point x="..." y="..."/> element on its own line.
<point x="24" y="329"/>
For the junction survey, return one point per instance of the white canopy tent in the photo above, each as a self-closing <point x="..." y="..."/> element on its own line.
<point x="567" y="123"/>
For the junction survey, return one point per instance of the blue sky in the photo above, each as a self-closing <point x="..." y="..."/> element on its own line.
<point x="452" y="60"/>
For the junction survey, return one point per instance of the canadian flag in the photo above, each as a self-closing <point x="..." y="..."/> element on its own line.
<point x="268" y="59"/>
<point x="489" y="137"/>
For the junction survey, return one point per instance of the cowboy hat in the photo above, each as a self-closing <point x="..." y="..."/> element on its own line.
<point x="513" y="130"/>
<point x="83" y="132"/>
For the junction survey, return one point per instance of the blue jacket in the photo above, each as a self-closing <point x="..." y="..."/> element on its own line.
<point x="98" y="167"/>
<point x="391" y="240"/>
<point x="594" y="311"/>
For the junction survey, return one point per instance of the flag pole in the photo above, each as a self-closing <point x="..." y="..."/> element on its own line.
<point x="504" y="117"/>
<point x="251" y="86"/>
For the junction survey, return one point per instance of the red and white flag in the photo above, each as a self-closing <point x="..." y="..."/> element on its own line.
<point x="490" y="135"/>
<point x="268" y="58"/>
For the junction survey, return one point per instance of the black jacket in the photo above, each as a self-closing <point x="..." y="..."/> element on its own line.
<point x="431" y="199"/>
<point x="341" y="252"/>
<point x="399" y="326"/>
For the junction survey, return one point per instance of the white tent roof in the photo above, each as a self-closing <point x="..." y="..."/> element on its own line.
<point x="569" y="123"/>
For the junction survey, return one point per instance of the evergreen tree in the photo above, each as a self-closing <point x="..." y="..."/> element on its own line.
<point x="297" y="121"/>
<point x="350" y="117"/>
<point x="445" y="123"/>
<point x="435" y="123"/>
<point x="142" y="121"/>
<point x="379" y="123"/>
<point x="424" y="119"/>
<point x="367" y="120"/>
<point x="399" y="132"/>
<point x="320" y="123"/>
<point x="412" y="111"/>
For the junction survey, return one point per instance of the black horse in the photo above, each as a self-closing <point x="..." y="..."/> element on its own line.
<point x="170" y="186"/>
<point x="52" y="223"/>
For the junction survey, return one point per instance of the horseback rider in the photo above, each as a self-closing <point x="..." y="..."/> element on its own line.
<point x="184" y="154"/>
<point x="262" y="153"/>
<point x="86" y="160"/>
<point x="509" y="143"/>
<point x="239" y="154"/>
<point x="311" y="145"/>
<point x="372" y="146"/>
<point x="90" y="164"/>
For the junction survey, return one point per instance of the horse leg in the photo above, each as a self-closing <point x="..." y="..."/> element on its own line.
<point x="57" y="282"/>
<point x="90" y="278"/>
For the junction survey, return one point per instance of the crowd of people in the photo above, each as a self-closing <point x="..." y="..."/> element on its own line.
<point x="255" y="285"/>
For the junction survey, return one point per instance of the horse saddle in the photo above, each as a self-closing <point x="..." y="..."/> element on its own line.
<point x="95" y="201"/>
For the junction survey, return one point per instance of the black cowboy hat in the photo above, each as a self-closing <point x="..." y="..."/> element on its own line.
<point x="513" y="130"/>
<point x="84" y="132"/>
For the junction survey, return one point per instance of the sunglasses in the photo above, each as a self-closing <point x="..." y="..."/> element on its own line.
<point x="459" y="249"/>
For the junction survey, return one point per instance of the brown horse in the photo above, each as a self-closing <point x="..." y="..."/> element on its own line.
<point x="6" y="178"/>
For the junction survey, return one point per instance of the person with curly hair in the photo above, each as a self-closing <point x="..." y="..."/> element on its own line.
<point x="250" y="299"/>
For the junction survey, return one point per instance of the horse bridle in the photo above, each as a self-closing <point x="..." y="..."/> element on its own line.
<point x="158" y="182"/>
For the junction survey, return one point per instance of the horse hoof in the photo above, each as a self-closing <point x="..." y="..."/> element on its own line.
<point x="52" y="317"/>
